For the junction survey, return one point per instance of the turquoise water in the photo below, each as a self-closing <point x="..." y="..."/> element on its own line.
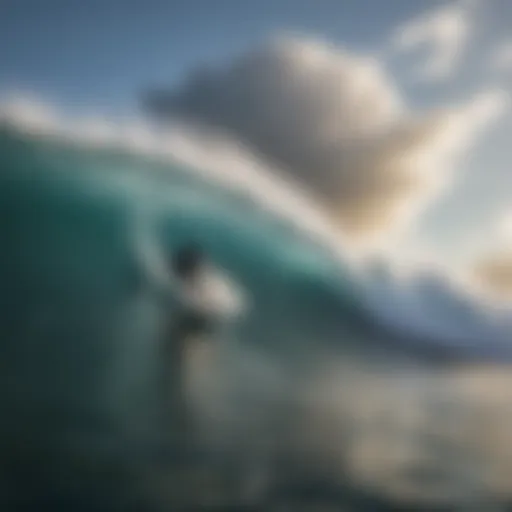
<point x="80" y="318"/>
<point x="84" y="240"/>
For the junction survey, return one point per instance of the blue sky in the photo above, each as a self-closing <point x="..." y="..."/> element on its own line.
<point x="106" y="50"/>
<point x="102" y="53"/>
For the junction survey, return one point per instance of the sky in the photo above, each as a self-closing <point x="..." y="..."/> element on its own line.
<point x="430" y="61"/>
<point x="108" y="49"/>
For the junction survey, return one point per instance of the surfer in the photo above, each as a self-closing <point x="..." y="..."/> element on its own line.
<point x="204" y="301"/>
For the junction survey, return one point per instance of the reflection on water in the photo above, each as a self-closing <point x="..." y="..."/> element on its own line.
<point x="346" y="437"/>
<point x="406" y="438"/>
<point x="440" y="437"/>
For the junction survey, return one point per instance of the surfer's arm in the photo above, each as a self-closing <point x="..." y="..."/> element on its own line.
<point x="223" y="298"/>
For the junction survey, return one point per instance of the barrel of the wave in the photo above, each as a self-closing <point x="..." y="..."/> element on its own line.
<point x="204" y="305"/>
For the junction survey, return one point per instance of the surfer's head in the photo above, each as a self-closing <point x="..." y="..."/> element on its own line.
<point x="187" y="260"/>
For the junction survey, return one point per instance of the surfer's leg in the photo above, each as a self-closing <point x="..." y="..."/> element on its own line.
<point x="177" y="416"/>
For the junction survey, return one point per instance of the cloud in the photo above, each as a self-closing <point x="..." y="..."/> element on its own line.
<point x="443" y="32"/>
<point x="337" y="123"/>
<point x="501" y="57"/>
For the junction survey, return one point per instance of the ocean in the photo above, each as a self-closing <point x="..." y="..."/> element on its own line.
<point x="339" y="387"/>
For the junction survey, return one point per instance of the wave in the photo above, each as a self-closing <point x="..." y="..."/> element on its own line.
<point x="88" y="230"/>
<point x="211" y="183"/>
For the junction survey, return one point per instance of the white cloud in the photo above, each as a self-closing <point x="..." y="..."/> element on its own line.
<point x="337" y="123"/>
<point x="443" y="32"/>
<point x="501" y="57"/>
